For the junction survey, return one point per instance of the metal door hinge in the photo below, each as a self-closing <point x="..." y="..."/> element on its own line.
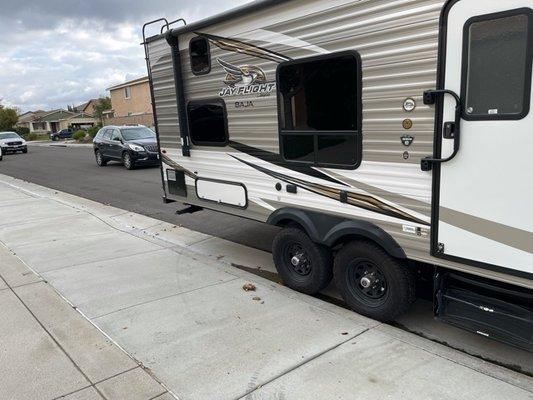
<point x="440" y="248"/>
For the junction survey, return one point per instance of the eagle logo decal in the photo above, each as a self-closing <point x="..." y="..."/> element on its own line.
<point x="245" y="75"/>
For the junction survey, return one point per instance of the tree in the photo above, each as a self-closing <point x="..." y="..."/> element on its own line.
<point x="104" y="104"/>
<point x="8" y="118"/>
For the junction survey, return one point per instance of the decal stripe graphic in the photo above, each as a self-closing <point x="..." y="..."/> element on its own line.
<point x="406" y="201"/>
<point x="276" y="38"/>
<point x="363" y="201"/>
<point x="237" y="46"/>
<point x="276" y="159"/>
<point x="513" y="237"/>
<point x="167" y="160"/>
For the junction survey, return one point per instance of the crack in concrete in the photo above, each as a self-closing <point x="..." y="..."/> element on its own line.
<point x="248" y="394"/>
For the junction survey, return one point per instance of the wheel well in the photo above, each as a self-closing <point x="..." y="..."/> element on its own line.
<point x="332" y="230"/>
<point x="290" y="223"/>
<point x="343" y="240"/>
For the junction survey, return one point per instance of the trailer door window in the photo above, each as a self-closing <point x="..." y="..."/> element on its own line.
<point x="320" y="110"/>
<point x="497" y="57"/>
<point x="200" y="56"/>
<point x="208" y="122"/>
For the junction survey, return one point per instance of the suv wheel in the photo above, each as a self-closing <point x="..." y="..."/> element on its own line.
<point x="128" y="161"/>
<point x="100" y="160"/>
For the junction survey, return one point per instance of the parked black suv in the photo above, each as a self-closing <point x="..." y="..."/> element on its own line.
<point x="133" y="145"/>
<point x="62" y="134"/>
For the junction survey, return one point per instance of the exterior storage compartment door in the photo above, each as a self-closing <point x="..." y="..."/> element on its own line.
<point x="484" y="212"/>
<point x="222" y="192"/>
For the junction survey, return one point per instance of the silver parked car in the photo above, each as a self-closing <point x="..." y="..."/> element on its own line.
<point x="11" y="142"/>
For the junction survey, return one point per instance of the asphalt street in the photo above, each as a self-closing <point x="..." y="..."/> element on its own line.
<point x="74" y="171"/>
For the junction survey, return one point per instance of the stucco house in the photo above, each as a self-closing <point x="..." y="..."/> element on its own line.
<point x="88" y="107"/>
<point x="131" y="103"/>
<point x="43" y="122"/>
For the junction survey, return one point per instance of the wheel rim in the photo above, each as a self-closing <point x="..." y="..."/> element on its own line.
<point x="98" y="158"/>
<point x="367" y="282"/>
<point x="297" y="259"/>
<point x="127" y="160"/>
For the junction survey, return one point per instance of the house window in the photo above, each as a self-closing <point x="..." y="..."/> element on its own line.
<point x="320" y="110"/>
<point x="200" y="56"/>
<point x="497" y="60"/>
<point x="208" y="122"/>
<point x="127" y="92"/>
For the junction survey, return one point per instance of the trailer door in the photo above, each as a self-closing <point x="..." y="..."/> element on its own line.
<point x="483" y="204"/>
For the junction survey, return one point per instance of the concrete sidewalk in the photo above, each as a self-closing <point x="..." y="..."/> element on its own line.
<point x="187" y="320"/>
<point x="48" y="350"/>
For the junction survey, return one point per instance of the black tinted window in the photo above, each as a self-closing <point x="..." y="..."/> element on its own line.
<point x="337" y="149"/>
<point x="321" y="94"/>
<point x="320" y="99"/>
<point x="299" y="147"/>
<point x="498" y="66"/>
<point x="200" y="57"/>
<point x="207" y="122"/>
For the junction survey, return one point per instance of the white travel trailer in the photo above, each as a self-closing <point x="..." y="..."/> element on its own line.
<point x="384" y="136"/>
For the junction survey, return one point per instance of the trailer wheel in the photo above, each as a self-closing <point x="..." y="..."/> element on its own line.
<point x="302" y="264"/>
<point x="372" y="282"/>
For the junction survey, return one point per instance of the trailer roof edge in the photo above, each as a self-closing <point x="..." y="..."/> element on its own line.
<point x="218" y="18"/>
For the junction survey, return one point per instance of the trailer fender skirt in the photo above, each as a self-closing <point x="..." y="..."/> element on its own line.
<point x="329" y="229"/>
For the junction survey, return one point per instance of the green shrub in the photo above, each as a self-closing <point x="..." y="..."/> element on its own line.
<point x="33" y="136"/>
<point x="22" y="130"/>
<point x="93" y="131"/>
<point x="79" y="135"/>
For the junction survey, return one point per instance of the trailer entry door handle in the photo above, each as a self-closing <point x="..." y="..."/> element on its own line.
<point x="451" y="130"/>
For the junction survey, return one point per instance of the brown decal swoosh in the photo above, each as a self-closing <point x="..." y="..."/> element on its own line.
<point x="363" y="201"/>
<point x="237" y="46"/>
<point x="514" y="237"/>
<point x="167" y="160"/>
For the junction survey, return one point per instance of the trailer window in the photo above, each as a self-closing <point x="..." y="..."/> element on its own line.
<point x="208" y="123"/>
<point x="320" y="110"/>
<point x="497" y="57"/>
<point x="200" y="56"/>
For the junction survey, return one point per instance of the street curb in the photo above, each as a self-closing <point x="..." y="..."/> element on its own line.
<point x="60" y="144"/>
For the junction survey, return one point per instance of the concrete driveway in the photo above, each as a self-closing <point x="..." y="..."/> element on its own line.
<point x="186" y="319"/>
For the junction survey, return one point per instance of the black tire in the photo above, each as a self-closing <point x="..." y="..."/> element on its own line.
<point x="24" y="151"/>
<point x="391" y="286"/>
<point x="100" y="160"/>
<point x="128" y="161"/>
<point x="55" y="138"/>
<point x="314" y="269"/>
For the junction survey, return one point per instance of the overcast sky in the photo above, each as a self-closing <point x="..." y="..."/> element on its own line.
<point x="59" y="52"/>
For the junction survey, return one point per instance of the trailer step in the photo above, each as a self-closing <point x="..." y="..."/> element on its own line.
<point x="491" y="309"/>
<point x="189" y="210"/>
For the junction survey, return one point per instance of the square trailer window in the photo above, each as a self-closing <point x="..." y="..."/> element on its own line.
<point x="497" y="62"/>
<point x="208" y="123"/>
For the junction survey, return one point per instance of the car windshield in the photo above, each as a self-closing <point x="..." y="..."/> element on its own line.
<point x="137" y="133"/>
<point x="9" y="135"/>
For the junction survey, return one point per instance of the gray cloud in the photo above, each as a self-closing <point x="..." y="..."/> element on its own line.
<point x="59" y="52"/>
